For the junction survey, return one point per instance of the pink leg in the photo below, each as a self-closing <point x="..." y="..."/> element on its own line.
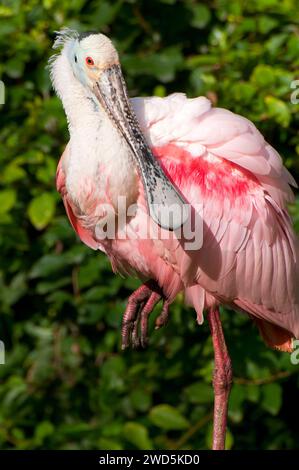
<point x="222" y="379"/>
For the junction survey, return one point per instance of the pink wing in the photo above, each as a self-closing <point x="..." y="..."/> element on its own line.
<point x="249" y="254"/>
<point x="84" y="234"/>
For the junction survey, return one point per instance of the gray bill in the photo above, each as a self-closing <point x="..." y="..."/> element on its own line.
<point x="166" y="206"/>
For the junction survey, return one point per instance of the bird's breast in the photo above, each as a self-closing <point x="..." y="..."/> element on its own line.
<point x="99" y="171"/>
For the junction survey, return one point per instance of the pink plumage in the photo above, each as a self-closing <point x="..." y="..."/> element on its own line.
<point x="249" y="254"/>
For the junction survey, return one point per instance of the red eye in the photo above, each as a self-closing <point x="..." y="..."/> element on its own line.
<point x="89" y="61"/>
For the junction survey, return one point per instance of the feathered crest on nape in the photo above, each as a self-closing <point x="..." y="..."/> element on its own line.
<point x="63" y="36"/>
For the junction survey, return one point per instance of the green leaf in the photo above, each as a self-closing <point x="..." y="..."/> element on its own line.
<point x="272" y="398"/>
<point x="47" y="172"/>
<point x="15" y="67"/>
<point x="5" y="11"/>
<point x="13" y="172"/>
<point x="7" y="200"/>
<point x="199" y="392"/>
<point x="201" y="16"/>
<point x="266" y="23"/>
<point x="167" y="417"/>
<point x="137" y="435"/>
<point x="89" y="273"/>
<point x="161" y="65"/>
<point x="47" y="265"/>
<point x="160" y="90"/>
<point x="279" y="110"/>
<point x="41" y="210"/>
<point x="140" y="400"/>
<point x="236" y="400"/>
<point x="275" y="43"/>
<point x="42" y="431"/>
<point x="253" y="393"/>
<point x="243" y="92"/>
<point x="263" y="75"/>
<point x="38" y="331"/>
<point x="109" y="444"/>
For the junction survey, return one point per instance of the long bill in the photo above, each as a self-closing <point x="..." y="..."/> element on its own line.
<point x="166" y="206"/>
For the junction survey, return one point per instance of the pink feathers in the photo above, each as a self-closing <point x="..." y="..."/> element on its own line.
<point x="249" y="254"/>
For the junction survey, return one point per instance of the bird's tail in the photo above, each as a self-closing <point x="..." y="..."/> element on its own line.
<point x="275" y="336"/>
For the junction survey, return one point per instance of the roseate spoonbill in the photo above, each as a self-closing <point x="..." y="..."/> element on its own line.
<point x="163" y="151"/>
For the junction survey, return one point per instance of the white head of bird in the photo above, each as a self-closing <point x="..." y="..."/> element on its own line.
<point x="76" y="70"/>
<point x="87" y="77"/>
<point x="90" y="57"/>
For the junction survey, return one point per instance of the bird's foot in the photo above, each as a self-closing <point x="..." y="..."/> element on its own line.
<point x="139" y="307"/>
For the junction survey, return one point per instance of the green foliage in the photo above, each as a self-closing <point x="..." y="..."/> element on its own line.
<point x="41" y="210"/>
<point x="167" y="417"/>
<point x="66" y="384"/>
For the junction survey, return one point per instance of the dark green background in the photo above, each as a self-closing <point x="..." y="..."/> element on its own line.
<point x="66" y="384"/>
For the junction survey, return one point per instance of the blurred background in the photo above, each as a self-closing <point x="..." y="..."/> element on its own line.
<point x="66" y="384"/>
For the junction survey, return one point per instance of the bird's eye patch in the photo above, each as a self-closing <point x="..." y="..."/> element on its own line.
<point x="89" y="61"/>
<point x="76" y="60"/>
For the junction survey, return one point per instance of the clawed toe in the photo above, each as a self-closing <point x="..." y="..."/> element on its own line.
<point x="135" y="320"/>
<point x="162" y="319"/>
